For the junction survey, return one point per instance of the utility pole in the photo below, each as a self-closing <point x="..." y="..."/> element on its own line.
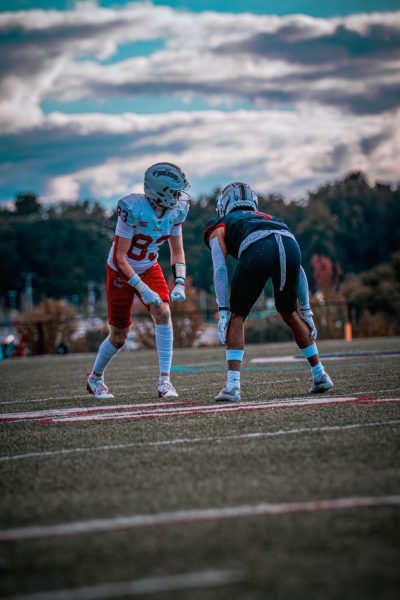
<point x="91" y="298"/>
<point x="203" y="304"/>
<point x="12" y="296"/>
<point x="28" y="290"/>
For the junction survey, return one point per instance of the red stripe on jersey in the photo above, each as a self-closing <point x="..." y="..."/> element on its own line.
<point x="210" y="229"/>
<point x="268" y="217"/>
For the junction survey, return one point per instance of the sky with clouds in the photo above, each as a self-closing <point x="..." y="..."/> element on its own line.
<point x="283" y="95"/>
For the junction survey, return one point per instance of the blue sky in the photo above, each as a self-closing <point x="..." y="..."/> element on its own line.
<point x="283" y="95"/>
<point x="261" y="7"/>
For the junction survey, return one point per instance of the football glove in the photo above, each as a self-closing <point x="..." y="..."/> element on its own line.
<point x="147" y="295"/>
<point x="307" y="315"/>
<point x="178" y="293"/>
<point x="223" y="322"/>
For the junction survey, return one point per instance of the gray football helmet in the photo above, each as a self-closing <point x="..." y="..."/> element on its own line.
<point x="165" y="184"/>
<point x="236" y="195"/>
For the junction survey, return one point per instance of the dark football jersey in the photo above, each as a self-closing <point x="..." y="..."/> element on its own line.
<point x="241" y="223"/>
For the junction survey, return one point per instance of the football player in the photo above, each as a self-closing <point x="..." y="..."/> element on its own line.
<point x="264" y="248"/>
<point x="145" y="221"/>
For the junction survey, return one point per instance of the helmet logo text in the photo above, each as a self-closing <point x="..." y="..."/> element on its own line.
<point x="166" y="174"/>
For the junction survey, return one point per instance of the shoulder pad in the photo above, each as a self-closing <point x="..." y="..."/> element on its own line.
<point x="129" y="209"/>
<point x="212" y="222"/>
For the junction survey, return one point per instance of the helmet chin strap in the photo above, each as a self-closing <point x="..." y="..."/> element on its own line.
<point x="159" y="209"/>
<point x="152" y="202"/>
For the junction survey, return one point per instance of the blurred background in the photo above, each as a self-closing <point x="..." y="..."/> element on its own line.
<point x="299" y="99"/>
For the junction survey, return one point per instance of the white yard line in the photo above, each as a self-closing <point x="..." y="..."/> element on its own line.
<point x="192" y="516"/>
<point x="167" y="583"/>
<point x="214" y="439"/>
<point x="72" y="396"/>
<point x="51" y="399"/>
<point x="276" y="359"/>
<point x="120" y="387"/>
<point x="149" y="410"/>
<point x="60" y="412"/>
<point x="192" y="388"/>
<point x="366" y="393"/>
<point x="290" y="358"/>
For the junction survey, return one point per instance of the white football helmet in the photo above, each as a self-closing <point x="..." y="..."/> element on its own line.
<point x="236" y="195"/>
<point x="165" y="184"/>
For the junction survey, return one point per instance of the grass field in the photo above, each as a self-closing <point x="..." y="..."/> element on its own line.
<point x="284" y="496"/>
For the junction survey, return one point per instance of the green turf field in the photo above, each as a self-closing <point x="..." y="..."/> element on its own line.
<point x="284" y="496"/>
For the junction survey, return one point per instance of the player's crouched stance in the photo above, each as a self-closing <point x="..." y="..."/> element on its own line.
<point x="145" y="221"/>
<point x="264" y="248"/>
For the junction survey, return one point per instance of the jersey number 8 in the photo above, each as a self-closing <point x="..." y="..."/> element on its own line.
<point x="140" y="243"/>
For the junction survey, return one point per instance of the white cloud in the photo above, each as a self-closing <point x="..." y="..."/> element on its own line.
<point x="219" y="57"/>
<point x="342" y="101"/>
<point x="286" y="152"/>
<point x="62" y="189"/>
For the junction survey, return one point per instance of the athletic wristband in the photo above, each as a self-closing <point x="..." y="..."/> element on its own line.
<point x="134" y="280"/>
<point x="137" y="283"/>
<point x="179" y="271"/>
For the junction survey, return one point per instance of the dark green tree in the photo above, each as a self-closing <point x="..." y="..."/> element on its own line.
<point x="354" y="224"/>
<point x="27" y="204"/>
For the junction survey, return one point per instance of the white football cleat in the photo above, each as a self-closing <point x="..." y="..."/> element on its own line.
<point x="166" y="390"/>
<point x="322" y="385"/>
<point x="226" y="395"/>
<point x="97" y="387"/>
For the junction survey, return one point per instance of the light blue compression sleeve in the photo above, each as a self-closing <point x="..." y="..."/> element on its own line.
<point x="220" y="274"/>
<point x="304" y="297"/>
<point x="104" y="356"/>
<point x="164" y="343"/>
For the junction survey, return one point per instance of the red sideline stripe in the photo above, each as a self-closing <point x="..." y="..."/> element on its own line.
<point x="191" y="516"/>
<point x="61" y="412"/>
<point x="215" y="409"/>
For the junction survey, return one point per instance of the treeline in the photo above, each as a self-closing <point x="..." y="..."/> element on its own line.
<point x="355" y="225"/>
<point x="64" y="247"/>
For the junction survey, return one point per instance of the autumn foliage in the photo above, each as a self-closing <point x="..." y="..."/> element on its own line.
<point x="47" y="327"/>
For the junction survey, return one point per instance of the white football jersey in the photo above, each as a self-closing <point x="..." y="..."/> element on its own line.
<point x="138" y="221"/>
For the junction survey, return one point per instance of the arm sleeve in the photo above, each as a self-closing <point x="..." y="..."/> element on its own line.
<point x="220" y="274"/>
<point x="304" y="298"/>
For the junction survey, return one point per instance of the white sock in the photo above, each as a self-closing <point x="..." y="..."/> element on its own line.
<point x="104" y="356"/>
<point x="233" y="380"/>
<point x="164" y="342"/>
